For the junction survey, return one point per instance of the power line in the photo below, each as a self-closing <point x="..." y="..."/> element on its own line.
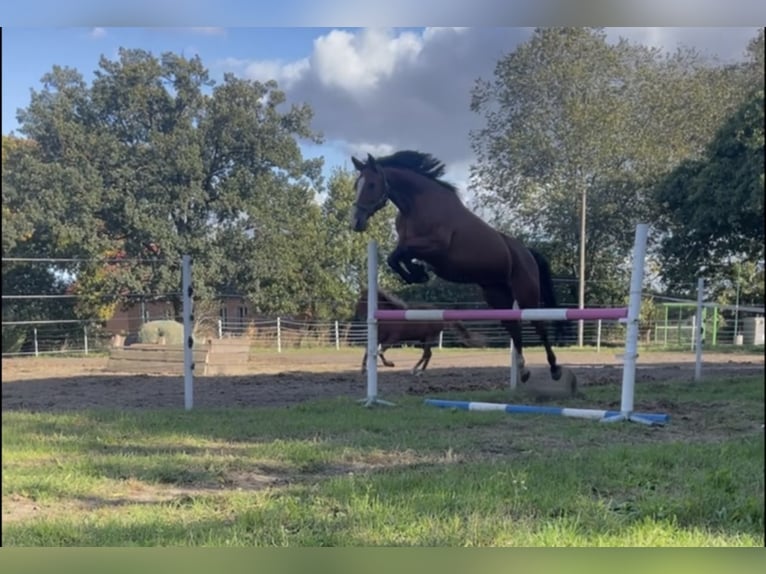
<point x="106" y="296"/>
<point x="77" y="260"/>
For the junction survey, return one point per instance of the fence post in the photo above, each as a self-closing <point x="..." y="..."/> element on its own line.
<point x="279" y="335"/>
<point x="220" y="329"/>
<point x="598" y="337"/>
<point x="694" y="331"/>
<point x="441" y="339"/>
<point x="37" y="351"/>
<point x="85" y="337"/>
<point x="698" y="331"/>
<point x="337" y="337"/>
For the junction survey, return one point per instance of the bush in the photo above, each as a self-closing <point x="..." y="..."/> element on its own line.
<point x="152" y="331"/>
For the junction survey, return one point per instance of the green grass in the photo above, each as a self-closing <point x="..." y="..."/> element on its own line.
<point x="331" y="473"/>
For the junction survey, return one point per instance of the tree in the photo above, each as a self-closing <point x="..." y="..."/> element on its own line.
<point x="21" y="278"/>
<point x="153" y="160"/>
<point x="713" y="207"/>
<point x="569" y="116"/>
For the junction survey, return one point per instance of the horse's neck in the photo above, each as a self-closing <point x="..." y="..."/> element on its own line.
<point x="403" y="187"/>
<point x="407" y="188"/>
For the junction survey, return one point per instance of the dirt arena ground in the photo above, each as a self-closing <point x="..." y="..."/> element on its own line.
<point x="270" y="379"/>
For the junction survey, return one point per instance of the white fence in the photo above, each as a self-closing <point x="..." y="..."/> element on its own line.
<point x="85" y="337"/>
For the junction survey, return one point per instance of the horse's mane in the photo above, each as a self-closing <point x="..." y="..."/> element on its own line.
<point x="422" y="163"/>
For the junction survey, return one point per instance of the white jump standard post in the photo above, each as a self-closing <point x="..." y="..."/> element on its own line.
<point x="631" y="337"/>
<point x="372" y="328"/>
<point x="186" y="286"/>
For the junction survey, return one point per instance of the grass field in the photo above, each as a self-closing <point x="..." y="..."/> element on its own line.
<point x="330" y="473"/>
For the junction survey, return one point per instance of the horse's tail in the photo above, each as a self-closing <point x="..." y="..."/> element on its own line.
<point x="469" y="338"/>
<point x="547" y="294"/>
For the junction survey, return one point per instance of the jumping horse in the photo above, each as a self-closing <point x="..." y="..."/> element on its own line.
<point x="435" y="228"/>
<point x="426" y="333"/>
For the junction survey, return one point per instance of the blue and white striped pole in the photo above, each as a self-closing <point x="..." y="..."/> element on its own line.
<point x="591" y="414"/>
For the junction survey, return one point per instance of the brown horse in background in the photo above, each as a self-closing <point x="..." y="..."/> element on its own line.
<point x="436" y="228"/>
<point x="424" y="332"/>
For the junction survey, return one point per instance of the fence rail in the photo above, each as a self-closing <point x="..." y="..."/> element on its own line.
<point x="37" y="338"/>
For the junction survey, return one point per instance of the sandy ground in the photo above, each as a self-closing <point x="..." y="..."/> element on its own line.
<point x="270" y="379"/>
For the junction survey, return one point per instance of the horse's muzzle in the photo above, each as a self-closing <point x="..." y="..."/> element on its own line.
<point x="359" y="221"/>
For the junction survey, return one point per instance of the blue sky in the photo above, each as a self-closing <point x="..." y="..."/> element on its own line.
<point x="28" y="53"/>
<point x="372" y="89"/>
<point x="81" y="48"/>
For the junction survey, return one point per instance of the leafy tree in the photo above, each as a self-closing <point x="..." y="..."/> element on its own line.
<point x="713" y="206"/>
<point x="19" y="278"/>
<point x="570" y="116"/>
<point x="154" y="160"/>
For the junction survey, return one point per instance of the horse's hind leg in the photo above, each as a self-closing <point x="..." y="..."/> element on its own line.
<point x="542" y="331"/>
<point x="383" y="349"/>
<point x="514" y="329"/>
<point x="424" y="359"/>
<point x="427" y="354"/>
<point x="502" y="298"/>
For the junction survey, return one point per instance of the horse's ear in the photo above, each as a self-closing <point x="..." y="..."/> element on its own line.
<point x="357" y="163"/>
<point x="371" y="161"/>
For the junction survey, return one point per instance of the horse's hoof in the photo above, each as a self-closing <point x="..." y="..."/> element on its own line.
<point x="556" y="373"/>
<point x="525" y="376"/>
<point x="417" y="373"/>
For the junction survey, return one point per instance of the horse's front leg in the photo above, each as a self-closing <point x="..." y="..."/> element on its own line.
<point x="400" y="261"/>
<point x="424" y="248"/>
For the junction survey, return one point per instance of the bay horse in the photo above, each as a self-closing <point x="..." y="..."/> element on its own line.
<point x="424" y="332"/>
<point x="434" y="227"/>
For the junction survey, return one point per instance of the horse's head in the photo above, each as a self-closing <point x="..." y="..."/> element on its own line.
<point x="371" y="192"/>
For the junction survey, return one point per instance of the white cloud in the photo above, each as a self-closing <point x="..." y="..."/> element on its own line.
<point x="358" y="63"/>
<point x="378" y="90"/>
<point x="98" y="33"/>
<point x="285" y="74"/>
<point x="361" y="149"/>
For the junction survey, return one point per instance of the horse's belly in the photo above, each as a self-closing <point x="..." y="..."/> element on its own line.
<point x="467" y="273"/>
